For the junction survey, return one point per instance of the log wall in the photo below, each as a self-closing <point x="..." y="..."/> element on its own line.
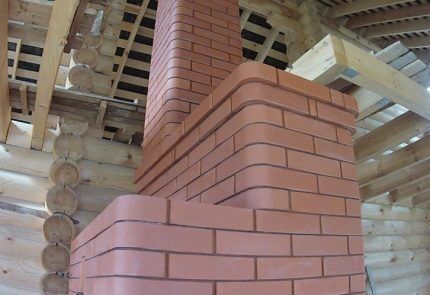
<point x="397" y="249"/>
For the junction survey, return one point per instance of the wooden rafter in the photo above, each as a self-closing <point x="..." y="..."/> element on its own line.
<point x="5" y="111"/>
<point x="129" y="45"/>
<point x="405" y="27"/>
<point x="334" y="58"/>
<point x="390" y="135"/>
<point x="391" y="15"/>
<point x="416" y="42"/>
<point x="61" y="19"/>
<point x="77" y="20"/>
<point x="362" y="5"/>
<point x="267" y="45"/>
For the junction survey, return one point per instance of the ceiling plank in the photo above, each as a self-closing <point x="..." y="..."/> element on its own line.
<point x="59" y="26"/>
<point x="128" y="47"/>
<point x="390" y="135"/>
<point x="32" y="12"/>
<point x="420" y="10"/>
<point x="401" y="159"/>
<point x="5" y="110"/>
<point x="416" y="42"/>
<point x="362" y="5"/>
<point x="405" y="27"/>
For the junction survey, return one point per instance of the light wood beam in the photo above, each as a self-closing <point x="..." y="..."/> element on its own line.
<point x="362" y="5"/>
<point x="267" y="45"/>
<point x="401" y="159"/>
<point x="406" y="27"/>
<point x="244" y="17"/>
<point x="128" y="47"/>
<point x="410" y="190"/>
<point x="61" y="19"/>
<point x="77" y="22"/>
<point x="334" y="58"/>
<point x="396" y="180"/>
<point x="5" y="110"/>
<point x="390" y="15"/>
<point x="390" y="135"/>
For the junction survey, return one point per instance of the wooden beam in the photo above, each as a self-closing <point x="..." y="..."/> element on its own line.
<point x="401" y="159"/>
<point x="128" y="47"/>
<point x="59" y="26"/>
<point x="267" y="45"/>
<point x="362" y="5"/>
<point x="405" y="27"/>
<point x="391" y="15"/>
<point x="410" y="190"/>
<point x="395" y="181"/>
<point x="416" y="42"/>
<point x="390" y="135"/>
<point x="244" y="17"/>
<point x="5" y="110"/>
<point x="334" y="58"/>
<point x="77" y="22"/>
<point x="31" y="12"/>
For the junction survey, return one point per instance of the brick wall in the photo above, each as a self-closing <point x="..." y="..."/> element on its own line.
<point x="197" y="44"/>
<point x="145" y="245"/>
<point x="263" y="139"/>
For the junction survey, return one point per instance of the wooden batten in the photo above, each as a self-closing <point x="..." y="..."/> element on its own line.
<point x="5" y="111"/>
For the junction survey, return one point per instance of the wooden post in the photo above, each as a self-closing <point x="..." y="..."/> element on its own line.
<point x="5" y="110"/>
<point x="62" y="16"/>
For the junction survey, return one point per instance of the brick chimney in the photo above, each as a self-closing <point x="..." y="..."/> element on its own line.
<point x="197" y="44"/>
<point x="249" y="177"/>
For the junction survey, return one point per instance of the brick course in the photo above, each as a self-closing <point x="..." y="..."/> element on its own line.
<point x="166" y="251"/>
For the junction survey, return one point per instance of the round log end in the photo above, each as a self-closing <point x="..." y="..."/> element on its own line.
<point x="59" y="228"/>
<point x="65" y="172"/>
<point x="69" y="145"/>
<point x="81" y="77"/>
<point x="56" y="258"/>
<point x="61" y="198"/>
<point x="54" y="284"/>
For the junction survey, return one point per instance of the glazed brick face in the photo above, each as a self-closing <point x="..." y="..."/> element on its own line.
<point x="196" y="43"/>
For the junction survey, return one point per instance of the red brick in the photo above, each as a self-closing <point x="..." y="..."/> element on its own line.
<point x="319" y="245"/>
<point x="260" y="198"/>
<point x="189" y="141"/>
<point x="309" y="125"/>
<point x="338" y="187"/>
<point x="189" y="175"/>
<point x="198" y="114"/>
<point x="176" y="169"/>
<point x="251" y="155"/>
<point x="313" y="203"/>
<point x="243" y="243"/>
<point x="344" y="136"/>
<point x="343" y="265"/>
<point x="202" y="183"/>
<point x="288" y="268"/>
<point x="353" y="208"/>
<point x="335" y="115"/>
<point x="286" y="222"/>
<point x="351" y="103"/>
<point x="303" y="86"/>
<point x="201" y="150"/>
<point x="211" y="35"/>
<point x="210" y="70"/>
<point x="311" y="163"/>
<point x="219" y="154"/>
<point x="198" y="267"/>
<point x="356" y="245"/>
<point x="358" y="283"/>
<point x="258" y="176"/>
<point x="201" y="88"/>
<point x="219" y="192"/>
<point x="266" y="133"/>
<point x="211" y="19"/>
<point x="313" y="108"/>
<point x="180" y="195"/>
<point x="215" y="118"/>
<point x="167" y="190"/>
<point x="341" y="225"/>
<point x="204" y="215"/>
<point x="255" y="288"/>
<point x="127" y="262"/>
<point x="270" y="94"/>
<point x="337" y="98"/>
<point x="334" y="150"/>
<point x="123" y="234"/>
<point x="322" y="286"/>
<point x="133" y="286"/>
<point x="349" y="171"/>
